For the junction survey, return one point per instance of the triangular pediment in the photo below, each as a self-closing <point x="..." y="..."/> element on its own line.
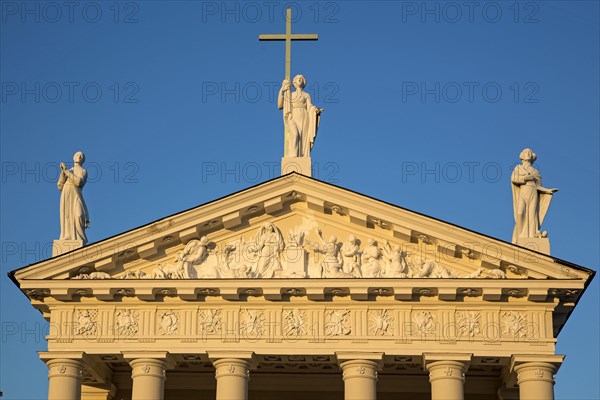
<point x="297" y="236"/>
<point x="386" y="241"/>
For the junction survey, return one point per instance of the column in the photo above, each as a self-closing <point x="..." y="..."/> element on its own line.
<point x="360" y="374"/>
<point x="232" y="373"/>
<point x="149" y="372"/>
<point x="535" y="375"/>
<point x="64" y="374"/>
<point x="447" y="375"/>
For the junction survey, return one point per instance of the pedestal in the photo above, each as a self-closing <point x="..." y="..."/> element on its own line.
<point x="301" y="165"/>
<point x="295" y="262"/>
<point x="64" y="246"/>
<point x="537" y="244"/>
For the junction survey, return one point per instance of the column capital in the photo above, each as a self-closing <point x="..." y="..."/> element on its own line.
<point x="447" y="374"/>
<point x="64" y="374"/>
<point x="535" y="375"/>
<point x="555" y="360"/>
<point x="135" y="357"/>
<point x="64" y="363"/>
<point x="360" y="369"/>
<point x="360" y="374"/>
<point x="217" y="357"/>
<point x="343" y="356"/>
<point x="232" y="371"/>
<point x="71" y="355"/>
<point x="464" y="358"/>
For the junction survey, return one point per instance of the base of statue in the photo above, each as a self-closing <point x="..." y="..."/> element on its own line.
<point x="301" y="165"/>
<point x="537" y="244"/>
<point x="64" y="246"/>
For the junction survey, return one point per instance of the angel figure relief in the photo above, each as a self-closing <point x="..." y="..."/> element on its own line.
<point x="268" y="245"/>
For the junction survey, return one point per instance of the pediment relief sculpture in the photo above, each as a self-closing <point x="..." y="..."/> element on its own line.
<point x="265" y="253"/>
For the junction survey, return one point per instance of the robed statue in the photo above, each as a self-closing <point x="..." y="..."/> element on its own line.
<point x="530" y="199"/>
<point x="301" y="118"/>
<point x="74" y="217"/>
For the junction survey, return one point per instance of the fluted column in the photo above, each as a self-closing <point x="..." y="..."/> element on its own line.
<point x="360" y="374"/>
<point x="535" y="376"/>
<point x="148" y="372"/>
<point x="64" y="374"/>
<point x="232" y="374"/>
<point x="447" y="375"/>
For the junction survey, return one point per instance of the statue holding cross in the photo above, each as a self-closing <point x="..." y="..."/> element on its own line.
<point x="301" y="118"/>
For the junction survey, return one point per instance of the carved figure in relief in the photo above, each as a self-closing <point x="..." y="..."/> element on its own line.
<point x="93" y="275"/>
<point x="294" y="323"/>
<point x="530" y="199"/>
<point x="475" y="274"/>
<point x="194" y="253"/>
<point x="331" y="265"/>
<point x="468" y="323"/>
<point x="336" y="323"/>
<point x="126" y="322"/>
<point x="371" y="260"/>
<point x="497" y="273"/>
<point x="351" y="255"/>
<point x="424" y="321"/>
<point x="211" y="321"/>
<point x="224" y="268"/>
<point x="301" y="117"/>
<point x="515" y="324"/>
<point x="86" y="322"/>
<point x="380" y="322"/>
<point x="135" y="275"/>
<point x="169" y="323"/>
<point x="430" y="269"/>
<point x="397" y="267"/>
<point x="268" y="244"/>
<point x="169" y="271"/>
<point x="253" y="322"/>
<point x="74" y="216"/>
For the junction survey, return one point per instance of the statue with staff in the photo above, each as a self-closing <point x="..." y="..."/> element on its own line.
<point x="301" y="118"/>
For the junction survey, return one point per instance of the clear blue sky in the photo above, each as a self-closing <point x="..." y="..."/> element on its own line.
<point x="427" y="105"/>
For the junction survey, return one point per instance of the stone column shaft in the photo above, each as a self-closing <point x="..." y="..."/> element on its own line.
<point x="536" y="380"/>
<point x="64" y="379"/>
<point x="447" y="379"/>
<point x="360" y="379"/>
<point x="149" y="375"/>
<point x="232" y="376"/>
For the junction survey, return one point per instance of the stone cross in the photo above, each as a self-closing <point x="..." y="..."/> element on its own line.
<point x="288" y="37"/>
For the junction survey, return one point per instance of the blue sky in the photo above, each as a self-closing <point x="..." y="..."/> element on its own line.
<point x="427" y="106"/>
